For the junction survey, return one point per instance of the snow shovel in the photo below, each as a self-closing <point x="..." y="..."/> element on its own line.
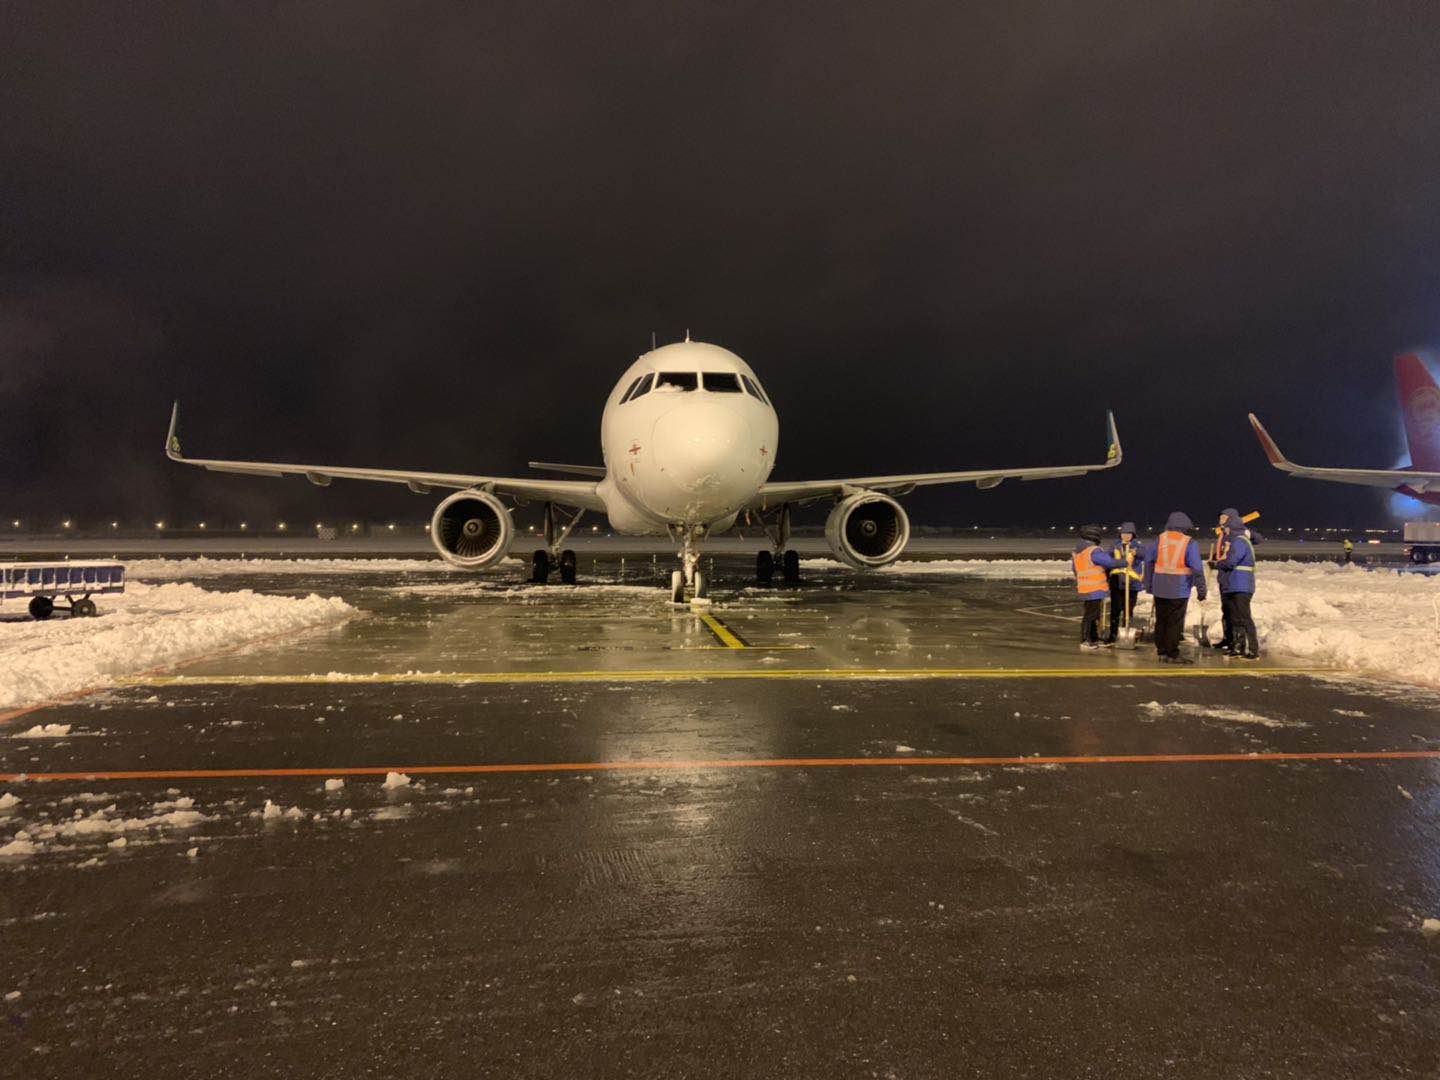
<point x="1202" y="632"/>
<point x="1127" y="637"/>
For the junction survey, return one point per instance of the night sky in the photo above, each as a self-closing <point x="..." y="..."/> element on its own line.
<point x="945" y="234"/>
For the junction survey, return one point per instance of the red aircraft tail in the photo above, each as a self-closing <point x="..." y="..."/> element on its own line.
<point x="1420" y="405"/>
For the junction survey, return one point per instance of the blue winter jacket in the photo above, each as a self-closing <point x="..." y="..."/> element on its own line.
<point x="1119" y="552"/>
<point x="1173" y="586"/>
<point x="1237" y="569"/>
<point x="1100" y="559"/>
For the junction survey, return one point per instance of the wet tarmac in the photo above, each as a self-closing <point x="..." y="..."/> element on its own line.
<point x="872" y="826"/>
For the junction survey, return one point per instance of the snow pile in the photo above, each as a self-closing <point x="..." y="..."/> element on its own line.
<point x="395" y="780"/>
<point x="146" y="627"/>
<point x="45" y="731"/>
<point x="994" y="569"/>
<point x="1234" y="716"/>
<point x="8" y="801"/>
<point x="185" y="569"/>
<point x="1374" y="622"/>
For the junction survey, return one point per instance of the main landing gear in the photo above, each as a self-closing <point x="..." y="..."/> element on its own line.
<point x="552" y="556"/>
<point x="786" y="560"/>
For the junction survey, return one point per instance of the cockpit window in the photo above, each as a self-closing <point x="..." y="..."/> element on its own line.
<point x="722" y="382"/>
<point x="754" y="388"/>
<point x="630" y="390"/>
<point x="673" y="382"/>
<point x="641" y="387"/>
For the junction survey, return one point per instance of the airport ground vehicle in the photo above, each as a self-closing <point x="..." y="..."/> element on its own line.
<point x="1422" y="541"/>
<point x="42" y="582"/>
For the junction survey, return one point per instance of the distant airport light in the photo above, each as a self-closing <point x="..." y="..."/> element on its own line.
<point x="114" y="524"/>
<point x="15" y="524"/>
<point x="281" y="526"/>
<point x="159" y="524"/>
<point x="594" y="528"/>
<point x="318" y="525"/>
<point x="355" y="527"/>
<point x="202" y="524"/>
<point x="391" y="526"/>
<point x="65" y="524"/>
<point x="243" y="526"/>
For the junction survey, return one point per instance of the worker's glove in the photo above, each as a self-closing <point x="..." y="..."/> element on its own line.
<point x="1202" y="595"/>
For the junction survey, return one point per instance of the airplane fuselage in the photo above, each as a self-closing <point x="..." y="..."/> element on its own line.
<point x="688" y="436"/>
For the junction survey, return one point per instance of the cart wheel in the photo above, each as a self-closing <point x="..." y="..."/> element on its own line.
<point x="83" y="608"/>
<point x="567" y="567"/>
<point x="41" y="607"/>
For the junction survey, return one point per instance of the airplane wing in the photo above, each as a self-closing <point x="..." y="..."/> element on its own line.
<point x="577" y="493"/>
<point x="1381" y="478"/>
<point x="775" y="494"/>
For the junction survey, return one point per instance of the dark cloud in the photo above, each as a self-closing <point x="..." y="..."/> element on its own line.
<point x="433" y="235"/>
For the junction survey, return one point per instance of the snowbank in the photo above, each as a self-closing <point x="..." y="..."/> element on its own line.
<point x="1375" y="622"/>
<point x="185" y="569"/>
<point x="148" y="626"/>
<point x="998" y="569"/>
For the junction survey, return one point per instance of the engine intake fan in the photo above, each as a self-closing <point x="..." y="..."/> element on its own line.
<point x="472" y="530"/>
<point x="867" y="530"/>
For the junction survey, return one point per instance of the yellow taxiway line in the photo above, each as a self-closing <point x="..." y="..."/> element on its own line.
<point x="727" y="637"/>
<point x="461" y="678"/>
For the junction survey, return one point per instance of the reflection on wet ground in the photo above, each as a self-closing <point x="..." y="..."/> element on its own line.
<point x="1192" y="918"/>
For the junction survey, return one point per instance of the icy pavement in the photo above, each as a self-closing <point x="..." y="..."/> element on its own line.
<point x="148" y="626"/>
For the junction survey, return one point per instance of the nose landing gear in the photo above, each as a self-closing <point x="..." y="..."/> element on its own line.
<point x="689" y="574"/>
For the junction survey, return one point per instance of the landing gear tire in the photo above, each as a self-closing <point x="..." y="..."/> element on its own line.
<point x="567" y="567"/>
<point x="41" y="607"/>
<point x="83" y="608"/>
<point x="677" y="587"/>
<point x="791" y="565"/>
<point x="540" y="567"/>
<point x="764" y="567"/>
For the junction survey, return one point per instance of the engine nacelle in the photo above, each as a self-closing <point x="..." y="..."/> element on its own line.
<point x="867" y="530"/>
<point x="472" y="530"/>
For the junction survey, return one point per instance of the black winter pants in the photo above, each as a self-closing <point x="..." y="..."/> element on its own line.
<point x="1090" y="625"/>
<point x="1241" y="634"/>
<point x="1117" y="606"/>
<point x="1169" y="625"/>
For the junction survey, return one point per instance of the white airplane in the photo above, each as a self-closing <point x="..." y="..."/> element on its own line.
<point x="689" y="438"/>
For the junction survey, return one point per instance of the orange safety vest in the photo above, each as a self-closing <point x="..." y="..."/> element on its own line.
<point x="1170" y="554"/>
<point x="1088" y="577"/>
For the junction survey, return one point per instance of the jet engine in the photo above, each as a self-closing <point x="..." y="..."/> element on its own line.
<point x="472" y="530"/>
<point x="867" y="530"/>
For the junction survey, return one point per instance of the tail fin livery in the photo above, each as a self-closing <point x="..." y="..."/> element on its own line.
<point x="1420" y="406"/>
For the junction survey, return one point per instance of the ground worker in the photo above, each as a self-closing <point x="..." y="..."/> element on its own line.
<point x="1236" y="578"/>
<point x="1090" y="563"/>
<point x="1217" y="552"/>
<point x="1349" y="550"/>
<point x="1130" y="557"/>
<point x="1172" y="569"/>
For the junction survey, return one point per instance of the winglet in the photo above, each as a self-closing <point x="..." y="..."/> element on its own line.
<point x="172" y="439"/>
<point x="1113" y="453"/>
<point x="1268" y="445"/>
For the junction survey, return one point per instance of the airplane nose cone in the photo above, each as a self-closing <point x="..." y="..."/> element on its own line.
<point x="704" y="449"/>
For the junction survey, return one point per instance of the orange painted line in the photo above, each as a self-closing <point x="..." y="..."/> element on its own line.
<point x="77" y="695"/>
<point x="726" y="763"/>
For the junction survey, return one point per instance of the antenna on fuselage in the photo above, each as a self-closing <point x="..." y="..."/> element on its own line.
<point x="652" y="340"/>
